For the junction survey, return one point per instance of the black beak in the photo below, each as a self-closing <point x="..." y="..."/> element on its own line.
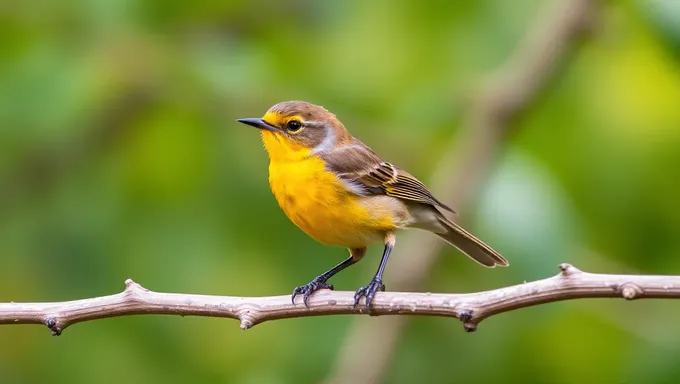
<point x="258" y="123"/>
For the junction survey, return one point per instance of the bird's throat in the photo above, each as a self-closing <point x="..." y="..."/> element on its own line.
<point x="281" y="149"/>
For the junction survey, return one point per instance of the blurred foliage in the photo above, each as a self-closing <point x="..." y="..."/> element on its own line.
<point x="120" y="157"/>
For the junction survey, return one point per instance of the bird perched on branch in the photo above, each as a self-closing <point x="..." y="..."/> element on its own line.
<point x="340" y="192"/>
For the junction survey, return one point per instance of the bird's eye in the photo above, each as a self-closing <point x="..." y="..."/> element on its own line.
<point x="293" y="126"/>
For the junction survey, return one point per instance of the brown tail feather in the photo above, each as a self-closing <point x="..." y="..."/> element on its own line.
<point x="467" y="243"/>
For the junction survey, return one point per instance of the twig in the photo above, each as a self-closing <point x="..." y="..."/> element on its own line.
<point x="470" y="308"/>
<point x="546" y="48"/>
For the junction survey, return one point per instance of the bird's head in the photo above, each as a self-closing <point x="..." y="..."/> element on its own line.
<point x="298" y="129"/>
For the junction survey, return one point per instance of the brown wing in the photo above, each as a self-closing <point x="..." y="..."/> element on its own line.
<point x="366" y="173"/>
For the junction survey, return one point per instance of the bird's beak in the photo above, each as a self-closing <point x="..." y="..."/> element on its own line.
<point x="258" y="123"/>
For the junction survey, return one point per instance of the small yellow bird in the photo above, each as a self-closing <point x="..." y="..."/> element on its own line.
<point x="340" y="192"/>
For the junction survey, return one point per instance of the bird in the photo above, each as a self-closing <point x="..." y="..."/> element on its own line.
<point x="339" y="192"/>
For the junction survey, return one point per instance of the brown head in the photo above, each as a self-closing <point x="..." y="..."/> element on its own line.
<point x="297" y="128"/>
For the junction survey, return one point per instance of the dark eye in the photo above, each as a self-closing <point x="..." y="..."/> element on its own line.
<point x="293" y="125"/>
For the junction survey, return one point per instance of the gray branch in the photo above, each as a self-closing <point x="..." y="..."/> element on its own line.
<point x="469" y="308"/>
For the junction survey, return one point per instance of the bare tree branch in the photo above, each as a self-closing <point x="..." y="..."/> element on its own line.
<point x="470" y="308"/>
<point x="546" y="47"/>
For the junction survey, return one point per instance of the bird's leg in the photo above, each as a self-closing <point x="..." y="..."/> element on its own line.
<point x="319" y="282"/>
<point x="376" y="283"/>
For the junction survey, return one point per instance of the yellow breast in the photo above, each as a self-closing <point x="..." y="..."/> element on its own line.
<point x="317" y="201"/>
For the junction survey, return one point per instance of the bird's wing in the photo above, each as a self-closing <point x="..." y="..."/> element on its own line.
<point x="367" y="174"/>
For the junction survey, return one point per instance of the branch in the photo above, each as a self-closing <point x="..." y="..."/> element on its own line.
<point x="547" y="47"/>
<point x="470" y="308"/>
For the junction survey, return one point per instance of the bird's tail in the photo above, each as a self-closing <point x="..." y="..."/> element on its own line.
<point x="467" y="243"/>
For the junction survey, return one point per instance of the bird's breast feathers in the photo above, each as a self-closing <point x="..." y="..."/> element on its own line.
<point x="327" y="209"/>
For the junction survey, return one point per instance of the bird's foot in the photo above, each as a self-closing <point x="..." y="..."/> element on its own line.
<point x="369" y="292"/>
<point x="307" y="289"/>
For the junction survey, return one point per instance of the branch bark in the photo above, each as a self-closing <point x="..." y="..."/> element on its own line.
<point x="470" y="308"/>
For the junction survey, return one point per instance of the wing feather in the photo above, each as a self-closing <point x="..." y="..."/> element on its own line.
<point x="368" y="174"/>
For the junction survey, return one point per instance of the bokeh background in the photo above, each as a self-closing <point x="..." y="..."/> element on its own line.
<point x="120" y="158"/>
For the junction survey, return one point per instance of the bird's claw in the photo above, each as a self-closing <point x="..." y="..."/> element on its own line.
<point x="307" y="289"/>
<point x="369" y="292"/>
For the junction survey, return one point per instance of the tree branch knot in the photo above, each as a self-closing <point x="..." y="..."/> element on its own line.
<point x="567" y="269"/>
<point x="247" y="315"/>
<point x="53" y="324"/>
<point x="134" y="291"/>
<point x="466" y="317"/>
<point x="631" y="291"/>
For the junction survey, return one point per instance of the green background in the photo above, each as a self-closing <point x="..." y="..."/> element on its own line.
<point x="120" y="158"/>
